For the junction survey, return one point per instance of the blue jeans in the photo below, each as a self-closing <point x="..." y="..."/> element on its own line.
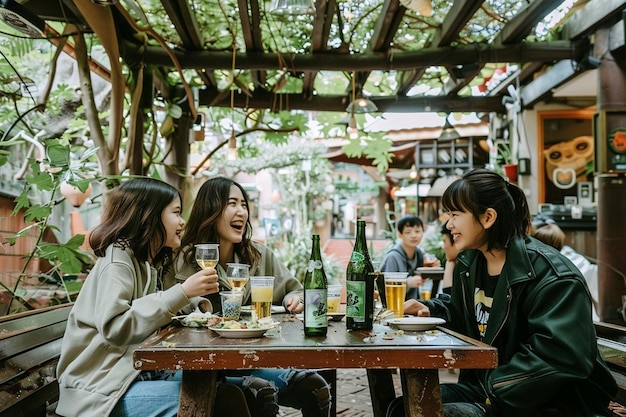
<point x="157" y="394"/>
<point x="151" y="395"/>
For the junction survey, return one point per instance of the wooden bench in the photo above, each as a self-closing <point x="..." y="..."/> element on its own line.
<point x="612" y="346"/>
<point x="30" y="345"/>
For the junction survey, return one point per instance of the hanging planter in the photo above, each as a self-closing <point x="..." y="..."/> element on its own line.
<point x="73" y="194"/>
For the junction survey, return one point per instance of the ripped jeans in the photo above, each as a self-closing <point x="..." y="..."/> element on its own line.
<point x="265" y="389"/>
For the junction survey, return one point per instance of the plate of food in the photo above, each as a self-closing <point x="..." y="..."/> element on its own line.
<point x="274" y="309"/>
<point x="240" y="329"/>
<point x="336" y="316"/>
<point x="415" y="323"/>
<point x="197" y="319"/>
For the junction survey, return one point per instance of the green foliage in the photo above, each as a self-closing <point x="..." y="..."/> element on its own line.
<point x="374" y="147"/>
<point x="295" y="251"/>
<point x="43" y="180"/>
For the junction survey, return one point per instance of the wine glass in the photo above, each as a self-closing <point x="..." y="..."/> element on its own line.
<point x="238" y="275"/>
<point x="207" y="255"/>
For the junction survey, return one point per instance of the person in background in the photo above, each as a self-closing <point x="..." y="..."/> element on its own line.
<point x="406" y="255"/>
<point x="551" y="234"/>
<point x="122" y="303"/>
<point x="451" y="253"/>
<point x="522" y="297"/>
<point x="220" y="214"/>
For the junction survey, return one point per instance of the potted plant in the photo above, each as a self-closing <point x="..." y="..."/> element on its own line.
<point x="507" y="161"/>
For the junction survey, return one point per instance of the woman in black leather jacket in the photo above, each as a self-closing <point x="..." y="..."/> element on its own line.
<point x="524" y="298"/>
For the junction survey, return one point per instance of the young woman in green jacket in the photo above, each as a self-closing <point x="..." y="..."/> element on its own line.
<point x="522" y="297"/>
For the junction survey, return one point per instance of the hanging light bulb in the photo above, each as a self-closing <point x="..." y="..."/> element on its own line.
<point x="292" y="7"/>
<point x="362" y="105"/>
<point x="231" y="152"/>
<point x="353" y="129"/>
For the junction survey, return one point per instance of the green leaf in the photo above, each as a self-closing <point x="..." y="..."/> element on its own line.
<point x="37" y="212"/>
<point x="68" y="259"/>
<point x="353" y="149"/>
<point x="21" y="201"/>
<point x="42" y="180"/>
<point x="58" y="154"/>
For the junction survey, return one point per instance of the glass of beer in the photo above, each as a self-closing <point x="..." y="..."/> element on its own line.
<point x="237" y="275"/>
<point x="334" y="297"/>
<point x="425" y="289"/>
<point x="262" y="289"/>
<point x="395" y="291"/>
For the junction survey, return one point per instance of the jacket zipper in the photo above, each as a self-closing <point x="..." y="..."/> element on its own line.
<point x="509" y="297"/>
<point x="503" y="384"/>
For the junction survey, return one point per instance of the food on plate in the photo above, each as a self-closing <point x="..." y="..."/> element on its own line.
<point x="198" y="319"/>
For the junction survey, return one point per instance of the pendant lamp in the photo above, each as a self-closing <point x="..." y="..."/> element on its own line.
<point x="22" y="19"/>
<point x="448" y="132"/>
<point x="292" y="7"/>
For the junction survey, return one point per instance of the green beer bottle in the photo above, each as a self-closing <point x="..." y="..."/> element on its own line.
<point x="360" y="284"/>
<point x="315" y="288"/>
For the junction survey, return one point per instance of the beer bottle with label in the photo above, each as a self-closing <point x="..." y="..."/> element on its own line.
<point x="315" y="293"/>
<point x="360" y="284"/>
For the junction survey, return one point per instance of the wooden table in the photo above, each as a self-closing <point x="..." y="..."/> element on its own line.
<point x="201" y="354"/>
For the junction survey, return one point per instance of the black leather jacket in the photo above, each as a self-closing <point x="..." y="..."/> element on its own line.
<point x="541" y="324"/>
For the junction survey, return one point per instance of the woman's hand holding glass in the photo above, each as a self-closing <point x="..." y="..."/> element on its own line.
<point x="201" y="283"/>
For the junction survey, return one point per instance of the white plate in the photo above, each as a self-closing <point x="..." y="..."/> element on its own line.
<point x="416" y="323"/>
<point x="240" y="333"/>
<point x="275" y="309"/>
<point x="336" y="316"/>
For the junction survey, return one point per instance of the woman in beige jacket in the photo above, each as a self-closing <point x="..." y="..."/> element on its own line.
<point x="121" y="304"/>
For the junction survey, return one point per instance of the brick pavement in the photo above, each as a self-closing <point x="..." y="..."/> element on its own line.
<point x="353" y="395"/>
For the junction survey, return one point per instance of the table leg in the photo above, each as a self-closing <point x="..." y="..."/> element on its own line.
<point x="197" y="393"/>
<point x="421" y="392"/>
<point x="382" y="391"/>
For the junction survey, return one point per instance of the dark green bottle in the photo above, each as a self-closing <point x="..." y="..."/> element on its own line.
<point x="315" y="292"/>
<point x="360" y="284"/>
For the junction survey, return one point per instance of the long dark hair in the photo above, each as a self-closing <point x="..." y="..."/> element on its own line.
<point x="132" y="217"/>
<point x="206" y="212"/>
<point x="481" y="189"/>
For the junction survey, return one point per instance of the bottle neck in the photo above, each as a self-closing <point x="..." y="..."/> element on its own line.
<point x="361" y="243"/>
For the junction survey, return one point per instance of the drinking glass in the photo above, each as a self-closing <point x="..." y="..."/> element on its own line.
<point x="231" y="304"/>
<point x="426" y="289"/>
<point x="430" y="259"/>
<point x="262" y="289"/>
<point x="207" y="255"/>
<point x="334" y="297"/>
<point x="395" y="292"/>
<point x="237" y="275"/>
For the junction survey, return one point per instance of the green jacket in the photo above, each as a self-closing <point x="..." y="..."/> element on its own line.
<point x="541" y="324"/>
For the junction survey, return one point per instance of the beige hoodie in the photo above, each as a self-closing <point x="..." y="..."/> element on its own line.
<point x="116" y="309"/>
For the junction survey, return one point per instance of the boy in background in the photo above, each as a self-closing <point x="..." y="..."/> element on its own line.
<point x="406" y="256"/>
